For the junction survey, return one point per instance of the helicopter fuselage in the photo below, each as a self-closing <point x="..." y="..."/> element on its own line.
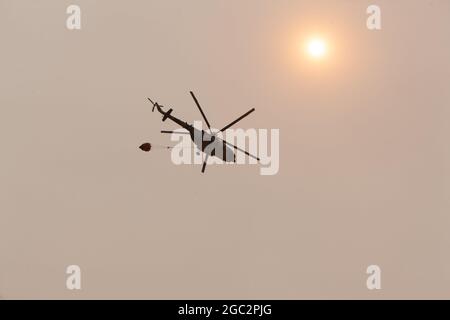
<point x="204" y="141"/>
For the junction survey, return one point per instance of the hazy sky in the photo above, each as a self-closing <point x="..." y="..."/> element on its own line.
<point x="364" y="151"/>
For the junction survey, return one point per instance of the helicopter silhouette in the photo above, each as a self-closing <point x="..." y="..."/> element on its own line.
<point x="207" y="142"/>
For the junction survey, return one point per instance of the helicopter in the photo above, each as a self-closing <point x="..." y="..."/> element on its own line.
<point x="208" y="142"/>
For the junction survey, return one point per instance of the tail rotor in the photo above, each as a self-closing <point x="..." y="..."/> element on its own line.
<point x="155" y="104"/>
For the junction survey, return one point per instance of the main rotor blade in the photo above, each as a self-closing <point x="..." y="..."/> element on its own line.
<point x="241" y="150"/>
<point x="201" y="111"/>
<point x="237" y="120"/>
<point x="204" y="163"/>
<point x="165" y="131"/>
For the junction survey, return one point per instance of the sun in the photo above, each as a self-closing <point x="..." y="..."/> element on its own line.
<point x="316" y="48"/>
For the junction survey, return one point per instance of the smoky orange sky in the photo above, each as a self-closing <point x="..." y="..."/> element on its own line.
<point x="364" y="152"/>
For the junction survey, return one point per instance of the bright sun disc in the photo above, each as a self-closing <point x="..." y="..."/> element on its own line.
<point x="317" y="48"/>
